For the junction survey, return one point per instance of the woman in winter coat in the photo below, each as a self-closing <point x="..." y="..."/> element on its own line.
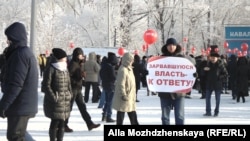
<point x="124" y="99"/>
<point x="58" y="94"/>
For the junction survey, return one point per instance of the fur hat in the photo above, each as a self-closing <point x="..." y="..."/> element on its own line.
<point x="59" y="53"/>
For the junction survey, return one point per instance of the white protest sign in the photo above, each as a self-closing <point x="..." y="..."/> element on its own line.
<point x="170" y="74"/>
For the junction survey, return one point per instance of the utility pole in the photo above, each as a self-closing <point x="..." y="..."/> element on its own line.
<point x="32" y="25"/>
<point x="115" y="37"/>
<point x="109" y="35"/>
<point x="182" y="22"/>
<point x="209" y="24"/>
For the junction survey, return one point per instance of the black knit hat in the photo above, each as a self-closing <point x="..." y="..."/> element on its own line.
<point x="59" y="53"/>
<point x="112" y="58"/>
<point x="171" y="41"/>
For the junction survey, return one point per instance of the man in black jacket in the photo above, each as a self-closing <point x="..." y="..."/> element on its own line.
<point x="215" y="72"/>
<point x="108" y="77"/>
<point x="76" y="77"/>
<point x="20" y="83"/>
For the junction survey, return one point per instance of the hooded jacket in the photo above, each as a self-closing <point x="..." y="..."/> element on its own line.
<point x="20" y="83"/>
<point x="125" y="88"/>
<point x="107" y="72"/>
<point x="91" y="68"/>
<point x="76" y="69"/>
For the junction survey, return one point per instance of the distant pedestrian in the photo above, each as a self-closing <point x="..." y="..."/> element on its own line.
<point x="145" y="72"/>
<point x="215" y="72"/>
<point x="102" y="98"/>
<point x="91" y="71"/>
<point x="138" y="70"/>
<point x="42" y="60"/>
<point x="232" y="72"/>
<point x="108" y="77"/>
<point x="242" y="78"/>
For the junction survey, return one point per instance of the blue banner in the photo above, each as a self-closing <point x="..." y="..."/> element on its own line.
<point x="236" y="35"/>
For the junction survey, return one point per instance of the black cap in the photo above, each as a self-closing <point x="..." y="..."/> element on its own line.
<point x="171" y="41"/>
<point x="59" y="53"/>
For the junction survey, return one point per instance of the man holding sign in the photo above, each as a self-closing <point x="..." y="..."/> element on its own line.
<point x="172" y="76"/>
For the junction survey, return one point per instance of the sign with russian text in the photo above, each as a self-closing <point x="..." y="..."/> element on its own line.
<point x="236" y="35"/>
<point x="170" y="74"/>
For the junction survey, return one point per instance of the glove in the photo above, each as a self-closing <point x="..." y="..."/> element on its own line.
<point x="2" y="114"/>
<point x="195" y="75"/>
<point x="145" y="72"/>
<point x="124" y="98"/>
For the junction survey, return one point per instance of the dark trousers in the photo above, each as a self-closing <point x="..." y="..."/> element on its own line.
<point x="217" y="100"/>
<point x="95" y="90"/>
<point x="78" y="98"/>
<point x="144" y="81"/>
<point x="240" y="95"/>
<point x="166" y="106"/>
<point x="132" y="117"/>
<point x="56" y="130"/>
<point x="42" y="68"/>
<point x="17" y="126"/>
<point x="107" y="109"/>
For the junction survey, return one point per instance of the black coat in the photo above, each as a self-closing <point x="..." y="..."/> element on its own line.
<point x="20" y="78"/>
<point x="242" y="76"/>
<point x="137" y="70"/>
<point x="108" y="76"/>
<point x="58" y="93"/>
<point x="76" y="74"/>
<point x="108" y="73"/>
<point x="216" y="75"/>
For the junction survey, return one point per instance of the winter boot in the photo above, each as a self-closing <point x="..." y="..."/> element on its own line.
<point x="133" y="118"/>
<point x="104" y="117"/>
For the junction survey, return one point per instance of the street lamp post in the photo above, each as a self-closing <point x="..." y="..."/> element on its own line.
<point x="109" y="35"/>
<point x="32" y="26"/>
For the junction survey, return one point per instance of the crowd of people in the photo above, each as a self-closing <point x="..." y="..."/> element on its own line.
<point x="115" y="82"/>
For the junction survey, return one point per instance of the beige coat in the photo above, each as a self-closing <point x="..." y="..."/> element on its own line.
<point x="125" y="86"/>
<point x="91" y="68"/>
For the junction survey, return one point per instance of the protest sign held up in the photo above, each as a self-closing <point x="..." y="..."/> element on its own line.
<point x="170" y="74"/>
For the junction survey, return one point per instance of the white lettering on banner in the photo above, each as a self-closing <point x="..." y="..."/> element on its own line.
<point x="170" y="74"/>
<point x="240" y="34"/>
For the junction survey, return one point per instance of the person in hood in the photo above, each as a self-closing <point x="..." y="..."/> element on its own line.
<point x="172" y="100"/>
<point x="19" y="84"/>
<point x="108" y="77"/>
<point x="91" y="70"/>
<point x="125" y="91"/>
